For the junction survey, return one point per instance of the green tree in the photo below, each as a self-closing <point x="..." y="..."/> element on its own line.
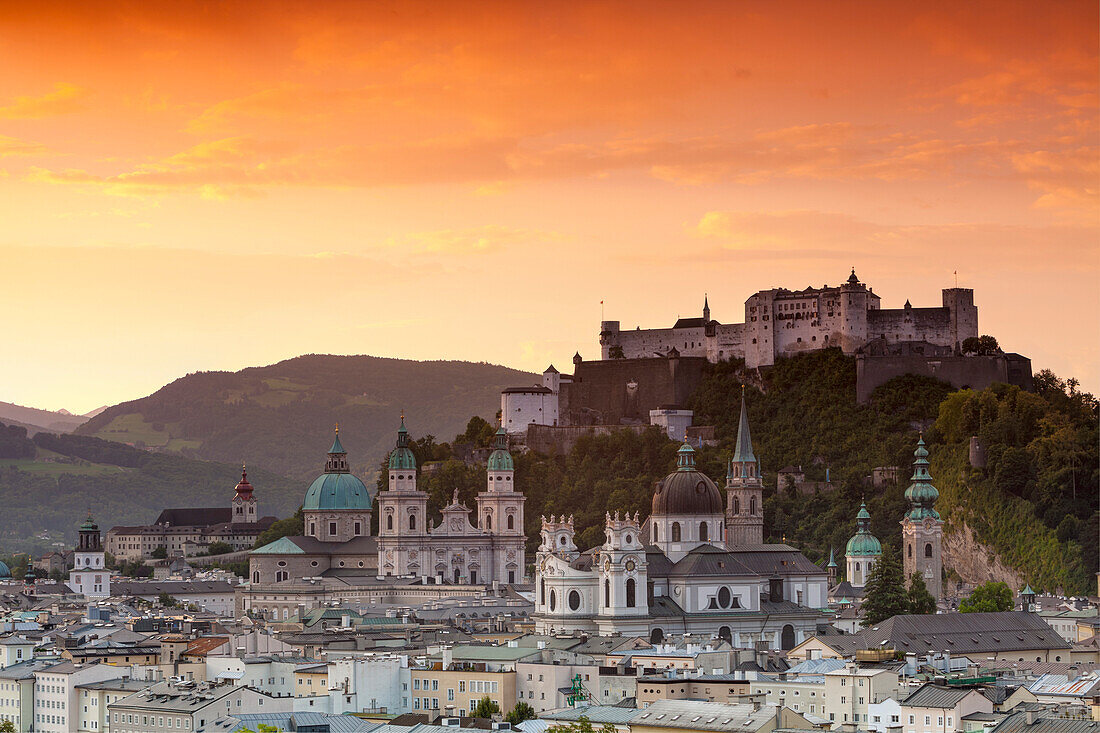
<point x="884" y="595"/>
<point x="290" y="527"/>
<point x="485" y="708"/>
<point x="988" y="598"/>
<point x="161" y="553"/>
<point x="219" y="548"/>
<point x="521" y="712"/>
<point x="920" y="600"/>
<point x="981" y="346"/>
<point x="7" y="726"/>
<point x="167" y="601"/>
<point x="583" y="725"/>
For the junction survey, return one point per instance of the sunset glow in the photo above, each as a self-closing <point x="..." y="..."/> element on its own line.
<point x="195" y="186"/>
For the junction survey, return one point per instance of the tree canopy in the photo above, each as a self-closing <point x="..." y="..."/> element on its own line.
<point x="884" y="594"/>
<point x="988" y="598"/>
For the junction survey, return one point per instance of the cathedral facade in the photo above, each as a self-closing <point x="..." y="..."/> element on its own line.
<point x="485" y="549"/>
<point x="697" y="564"/>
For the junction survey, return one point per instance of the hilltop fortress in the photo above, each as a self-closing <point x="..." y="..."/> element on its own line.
<point x="781" y="322"/>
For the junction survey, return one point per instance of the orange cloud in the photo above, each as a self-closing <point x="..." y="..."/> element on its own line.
<point x="64" y="99"/>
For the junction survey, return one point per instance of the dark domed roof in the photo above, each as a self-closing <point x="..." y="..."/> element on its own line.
<point x="686" y="490"/>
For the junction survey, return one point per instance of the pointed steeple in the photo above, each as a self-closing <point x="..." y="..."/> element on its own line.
<point x="337" y="457"/>
<point x="921" y="494"/>
<point x="337" y="446"/>
<point x="742" y="452"/>
<point x="706" y="309"/>
<point x="832" y="559"/>
<point x="243" y="489"/>
<point x="402" y="458"/>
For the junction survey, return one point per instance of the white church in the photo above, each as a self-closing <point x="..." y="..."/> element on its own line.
<point x="690" y="567"/>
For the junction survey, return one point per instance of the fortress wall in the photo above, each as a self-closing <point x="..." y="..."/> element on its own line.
<point x="974" y="372"/>
<point x="601" y="391"/>
<point x="730" y="342"/>
<point x="911" y="324"/>
<point x="648" y="343"/>
<point x="548" y="440"/>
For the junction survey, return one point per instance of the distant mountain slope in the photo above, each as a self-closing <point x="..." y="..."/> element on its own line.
<point x="281" y="416"/>
<point x="42" y="420"/>
<point x="50" y="483"/>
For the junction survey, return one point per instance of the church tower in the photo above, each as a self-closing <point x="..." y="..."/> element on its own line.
<point x="402" y="514"/>
<point x="90" y="576"/>
<point x="243" y="507"/>
<point x="922" y="528"/>
<point x="863" y="551"/>
<point x="623" y="589"/>
<point x="500" y="514"/>
<point x="744" y="490"/>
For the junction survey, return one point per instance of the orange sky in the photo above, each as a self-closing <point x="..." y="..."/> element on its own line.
<point x="190" y="186"/>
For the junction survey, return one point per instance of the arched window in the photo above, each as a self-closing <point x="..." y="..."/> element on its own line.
<point x="752" y="506"/>
<point x="553" y="600"/>
<point x="511" y="521"/>
<point x="786" y="637"/>
<point x="703" y="531"/>
<point x="256" y="576"/>
<point x="607" y="593"/>
<point x="656" y="537"/>
<point x="412" y="521"/>
<point x="910" y="550"/>
<point x="389" y="522"/>
<point x="488" y="522"/>
<point x="574" y="600"/>
<point x="656" y="636"/>
<point x="542" y="592"/>
<point x="736" y="505"/>
<point x="725" y="633"/>
<point x="630" y="592"/>
<point x="928" y="550"/>
<point x="675" y="531"/>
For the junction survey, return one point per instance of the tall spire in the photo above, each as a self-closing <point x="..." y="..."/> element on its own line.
<point x="337" y="446"/>
<point x="402" y="458"/>
<point x="742" y="452"/>
<point x="706" y="309"/>
<point x="921" y="494"/>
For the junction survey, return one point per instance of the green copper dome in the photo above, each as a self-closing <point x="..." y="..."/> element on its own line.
<point x="500" y="459"/>
<point x="863" y="542"/>
<point x="402" y="458"/>
<point x="337" y="489"/>
<point x="5" y="571"/>
<point x="921" y="494"/>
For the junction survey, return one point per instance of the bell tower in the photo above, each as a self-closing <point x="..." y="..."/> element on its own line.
<point x="500" y="514"/>
<point x="744" y="490"/>
<point x="922" y="528"/>
<point x="623" y="589"/>
<point x="89" y="575"/>
<point x="243" y="507"/>
<point x="402" y="514"/>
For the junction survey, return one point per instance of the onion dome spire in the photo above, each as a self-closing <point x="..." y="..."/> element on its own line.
<point x="921" y="494"/>
<point x="402" y="457"/>
<point x="685" y="457"/>
<point x="863" y="542"/>
<point x="337" y="457"/>
<point x="500" y="459"/>
<point x="243" y="488"/>
<point x="852" y="279"/>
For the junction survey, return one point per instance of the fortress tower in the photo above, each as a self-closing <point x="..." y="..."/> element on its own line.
<point x="744" y="490"/>
<point x="922" y="528"/>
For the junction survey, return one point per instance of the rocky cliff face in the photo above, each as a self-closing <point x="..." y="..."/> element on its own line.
<point x="974" y="562"/>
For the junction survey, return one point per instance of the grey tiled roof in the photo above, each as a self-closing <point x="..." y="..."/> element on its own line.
<point x="1017" y="723"/>
<point x="936" y="696"/>
<point x="962" y="633"/>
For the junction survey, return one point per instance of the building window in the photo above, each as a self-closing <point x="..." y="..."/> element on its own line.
<point x="675" y="531"/>
<point x="332" y="529"/>
<point x="412" y="521"/>
<point x="656" y="538"/>
<point x="629" y="593"/>
<point x="607" y="594"/>
<point x="389" y="522"/>
<point x="702" y="531"/>
<point x="511" y="522"/>
<point x="574" y="600"/>
<point x="928" y="550"/>
<point x="358" y="528"/>
<point x="553" y="600"/>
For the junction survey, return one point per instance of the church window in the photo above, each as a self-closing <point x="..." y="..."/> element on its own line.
<point x="607" y="594"/>
<point x="629" y="539"/>
<point x="752" y="506"/>
<point x="412" y="521"/>
<point x="511" y="522"/>
<point x="574" y="600"/>
<point x="910" y="550"/>
<point x="256" y="576"/>
<point x="358" y="528"/>
<point x="702" y="531"/>
<point x="488" y="522"/>
<point x="332" y="529"/>
<point x="281" y="576"/>
<point x="542" y="591"/>
<point x="473" y="576"/>
<point x="928" y="550"/>
<point x="736" y="505"/>
<point x="656" y="538"/>
<point x="629" y="593"/>
<point x="724" y="597"/>
<point x="675" y="531"/>
<point x="389" y="522"/>
<point x="312" y="529"/>
<point x="553" y="600"/>
<point x="282" y="563"/>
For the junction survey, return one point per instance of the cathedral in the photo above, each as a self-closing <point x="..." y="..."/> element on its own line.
<point x="489" y="549"/>
<point x="696" y="565"/>
<point x="337" y="511"/>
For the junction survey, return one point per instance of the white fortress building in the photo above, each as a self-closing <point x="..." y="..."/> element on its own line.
<point x="696" y="565"/>
<point x="781" y="322"/>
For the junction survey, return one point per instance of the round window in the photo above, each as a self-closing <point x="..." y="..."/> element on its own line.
<point x="724" y="597"/>
<point x="629" y="539"/>
<point x="282" y="563"/>
<point x="574" y="600"/>
<point x="314" y="563"/>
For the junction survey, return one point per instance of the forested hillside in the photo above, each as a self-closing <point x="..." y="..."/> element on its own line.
<point x="281" y="416"/>
<point x="803" y="412"/>
<point x="50" y="482"/>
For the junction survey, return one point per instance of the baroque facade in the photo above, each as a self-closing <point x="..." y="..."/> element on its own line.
<point x="781" y="322"/>
<point x="486" y="550"/>
<point x="697" y="564"/>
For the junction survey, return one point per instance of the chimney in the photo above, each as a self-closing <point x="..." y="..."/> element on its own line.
<point x="1031" y="717"/>
<point x="448" y="658"/>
